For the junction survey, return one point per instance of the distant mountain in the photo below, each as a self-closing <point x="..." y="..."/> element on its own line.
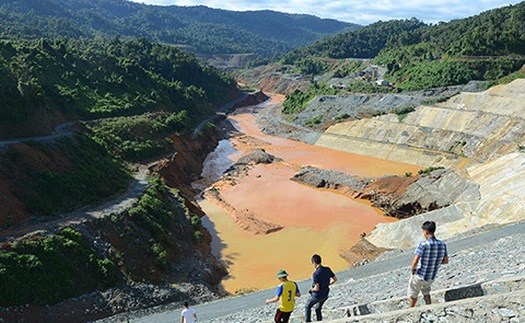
<point x="199" y="29"/>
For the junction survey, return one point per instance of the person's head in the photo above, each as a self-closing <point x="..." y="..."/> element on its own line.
<point x="186" y="304"/>
<point x="429" y="228"/>
<point x="316" y="259"/>
<point x="282" y="275"/>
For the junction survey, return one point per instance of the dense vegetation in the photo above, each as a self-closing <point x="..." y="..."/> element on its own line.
<point x="296" y="101"/>
<point x="59" y="177"/>
<point x="365" y="42"/>
<point x="139" y="137"/>
<point x="488" y="47"/>
<point x="201" y="29"/>
<point x="450" y="71"/>
<point x="45" y="270"/>
<point x="77" y="79"/>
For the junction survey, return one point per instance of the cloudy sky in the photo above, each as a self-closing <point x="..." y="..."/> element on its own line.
<point x="357" y="11"/>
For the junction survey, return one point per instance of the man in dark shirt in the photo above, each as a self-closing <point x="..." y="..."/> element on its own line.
<point x="322" y="278"/>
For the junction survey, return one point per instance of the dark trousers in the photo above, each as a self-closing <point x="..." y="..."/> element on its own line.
<point x="282" y="317"/>
<point x="318" y="302"/>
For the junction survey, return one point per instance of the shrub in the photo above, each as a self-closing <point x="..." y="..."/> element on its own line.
<point x="428" y="170"/>
<point x="46" y="270"/>
<point x="314" y="121"/>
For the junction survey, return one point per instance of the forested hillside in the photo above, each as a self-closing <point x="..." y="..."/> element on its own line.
<point x="200" y="29"/>
<point x="46" y="82"/>
<point x="487" y="47"/>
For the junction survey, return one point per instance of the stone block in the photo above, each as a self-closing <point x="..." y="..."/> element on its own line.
<point x="464" y="292"/>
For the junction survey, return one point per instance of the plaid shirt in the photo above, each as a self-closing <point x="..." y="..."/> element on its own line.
<point x="432" y="253"/>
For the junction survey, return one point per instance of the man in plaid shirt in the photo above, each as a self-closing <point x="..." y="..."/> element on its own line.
<point x="429" y="255"/>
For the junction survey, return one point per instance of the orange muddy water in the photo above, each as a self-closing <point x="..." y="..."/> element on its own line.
<point x="314" y="220"/>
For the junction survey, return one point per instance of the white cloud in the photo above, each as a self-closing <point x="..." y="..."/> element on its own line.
<point x="356" y="11"/>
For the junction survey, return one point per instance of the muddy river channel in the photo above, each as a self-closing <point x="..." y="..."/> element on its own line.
<point x="313" y="220"/>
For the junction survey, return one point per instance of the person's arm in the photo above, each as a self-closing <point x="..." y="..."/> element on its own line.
<point x="333" y="280"/>
<point x="315" y="287"/>
<point x="272" y="300"/>
<point x="445" y="258"/>
<point x="297" y="291"/>
<point x="277" y="295"/>
<point x="414" y="264"/>
<point x="182" y="319"/>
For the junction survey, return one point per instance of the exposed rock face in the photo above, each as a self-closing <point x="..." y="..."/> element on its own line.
<point x="400" y="197"/>
<point x="350" y="184"/>
<point x="434" y="191"/>
<point x="499" y="201"/>
<point x="253" y="99"/>
<point x="185" y="165"/>
<point x="470" y="127"/>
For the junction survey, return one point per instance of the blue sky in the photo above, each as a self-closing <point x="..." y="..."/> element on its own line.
<point x="357" y="11"/>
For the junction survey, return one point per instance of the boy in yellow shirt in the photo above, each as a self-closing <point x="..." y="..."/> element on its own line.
<point x="286" y="292"/>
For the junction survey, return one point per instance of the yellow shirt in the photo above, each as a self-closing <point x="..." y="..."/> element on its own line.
<point x="286" y="291"/>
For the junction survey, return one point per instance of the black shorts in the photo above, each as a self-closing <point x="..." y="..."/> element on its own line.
<point x="282" y="317"/>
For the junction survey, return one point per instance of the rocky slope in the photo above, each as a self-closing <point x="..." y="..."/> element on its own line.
<point x="274" y="78"/>
<point x="351" y="106"/>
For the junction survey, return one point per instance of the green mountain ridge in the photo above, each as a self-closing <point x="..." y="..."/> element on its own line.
<point x="202" y="29"/>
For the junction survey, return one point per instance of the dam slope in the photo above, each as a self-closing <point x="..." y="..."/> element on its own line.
<point x="468" y="128"/>
<point x="480" y="135"/>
